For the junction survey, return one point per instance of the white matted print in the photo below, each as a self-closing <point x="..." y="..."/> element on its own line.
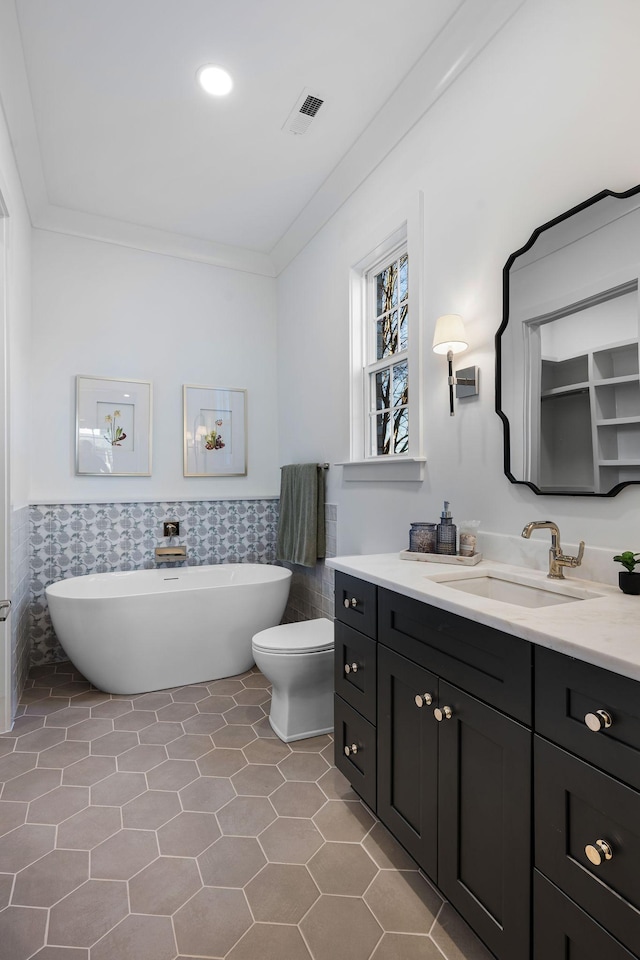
<point x="215" y="432"/>
<point x="113" y="427"/>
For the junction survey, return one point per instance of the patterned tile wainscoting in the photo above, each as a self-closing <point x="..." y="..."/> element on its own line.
<point x="311" y="592"/>
<point x="20" y="614"/>
<point x="75" y="539"/>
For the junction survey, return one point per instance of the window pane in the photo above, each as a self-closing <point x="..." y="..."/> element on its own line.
<point x="401" y="384"/>
<point x="401" y="431"/>
<point x="382" y="389"/>
<point x="404" y="327"/>
<point x="387" y="289"/>
<point x="383" y="434"/>
<point x="404" y="277"/>
<point x="387" y="335"/>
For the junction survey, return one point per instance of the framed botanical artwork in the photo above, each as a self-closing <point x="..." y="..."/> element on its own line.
<point x="113" y="427"/>
<point x="215" y="432"/>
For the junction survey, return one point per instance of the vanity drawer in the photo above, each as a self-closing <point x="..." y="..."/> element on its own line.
<point x="359" y="765"/>
<point x="355" y="669"/>
<point x="492" y="665"/>
<point x="356" y="603"/>
<point x="568" y="690"/>
<point x="575" y="807"/>
<point x="562" y="930"/>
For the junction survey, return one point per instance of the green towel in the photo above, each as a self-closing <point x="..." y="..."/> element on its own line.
<point x="301" y="526"/>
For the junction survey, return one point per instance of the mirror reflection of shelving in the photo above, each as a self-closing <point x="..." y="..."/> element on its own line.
<point x="590" y="402"/>
<point x="590" y="418"/>
<point x="616" y="379"/>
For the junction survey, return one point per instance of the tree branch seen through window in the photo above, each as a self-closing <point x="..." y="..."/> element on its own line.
<point x="389" y="381"/>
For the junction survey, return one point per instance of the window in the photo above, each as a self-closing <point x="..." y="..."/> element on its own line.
<point x="386" y="415"/>
<point x="387" y="355"/>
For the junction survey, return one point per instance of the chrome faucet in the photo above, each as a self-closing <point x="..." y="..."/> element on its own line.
<point x="557" y="560"/>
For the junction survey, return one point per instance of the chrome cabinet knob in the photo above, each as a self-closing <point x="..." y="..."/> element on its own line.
<point x="351" y="667"/>
<point x="422" y="699"/>
<point x="443" y="714"/>
<point x="600" y="720"/>
<point x="352" y="750"/>
<point x="598" y="852"/>
<point x="350" y="603"/>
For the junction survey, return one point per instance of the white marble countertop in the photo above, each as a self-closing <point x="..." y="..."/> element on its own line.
<point x="604" y="630"/>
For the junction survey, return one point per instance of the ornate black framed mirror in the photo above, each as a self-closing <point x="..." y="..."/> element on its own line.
<point x="567" y="351"/>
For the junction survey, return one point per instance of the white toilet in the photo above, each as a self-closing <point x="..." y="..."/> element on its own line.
<point x="298" y="660"/>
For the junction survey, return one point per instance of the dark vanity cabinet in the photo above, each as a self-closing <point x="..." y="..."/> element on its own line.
<point x="454" y="769"/>
<point x="355" y="684"/>
<point x="452" y="747"/>
<point x="587" y="811"/>
<point x="523" y="810"/>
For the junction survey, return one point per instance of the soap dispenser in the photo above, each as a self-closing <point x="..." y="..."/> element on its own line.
<point x="446" y="532"/>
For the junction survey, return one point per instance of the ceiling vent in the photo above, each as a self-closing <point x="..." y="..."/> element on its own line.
<point x="304" y="112"/>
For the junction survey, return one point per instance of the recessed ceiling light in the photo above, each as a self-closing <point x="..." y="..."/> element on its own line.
<point x="214" y="80"/>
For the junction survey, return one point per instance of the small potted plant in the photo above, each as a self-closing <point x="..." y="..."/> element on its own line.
<point x="628" y="579"/>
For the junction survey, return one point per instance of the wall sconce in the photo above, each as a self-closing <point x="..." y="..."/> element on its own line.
<point x="449" y="338"/>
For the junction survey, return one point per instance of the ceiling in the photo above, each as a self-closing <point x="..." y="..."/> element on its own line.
<point x="112" y="134"/>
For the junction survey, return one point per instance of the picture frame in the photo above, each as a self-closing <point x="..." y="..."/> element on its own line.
<point x="113" y="427"/>
<point x="215" y="431"/>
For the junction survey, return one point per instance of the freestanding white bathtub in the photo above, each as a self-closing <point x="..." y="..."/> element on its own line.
<point x="142" y="630"/>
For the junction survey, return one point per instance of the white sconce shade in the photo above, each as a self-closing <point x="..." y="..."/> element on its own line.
<point x="449" y="339"/>
<point x="449" y="335"/>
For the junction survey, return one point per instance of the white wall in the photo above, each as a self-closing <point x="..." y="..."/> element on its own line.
<point x="110" y="311"/>
<point x="542" y="120"/>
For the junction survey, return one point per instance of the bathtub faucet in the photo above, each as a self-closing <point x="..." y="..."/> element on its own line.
<point x="170" y="554"/>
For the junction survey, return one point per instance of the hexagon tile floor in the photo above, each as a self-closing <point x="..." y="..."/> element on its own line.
<point x="174" y="825"/>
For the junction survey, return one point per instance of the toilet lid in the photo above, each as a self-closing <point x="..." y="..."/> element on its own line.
<point x="308" y="636"/>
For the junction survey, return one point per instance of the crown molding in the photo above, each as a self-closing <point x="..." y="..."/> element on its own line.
<point x="468" y="31"/>
<point x="92" y="227"/>
<point x="464" y="36"/>
<point x="15" y="97"/>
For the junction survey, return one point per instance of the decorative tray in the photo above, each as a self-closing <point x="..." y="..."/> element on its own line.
<point x="441" y="558"/>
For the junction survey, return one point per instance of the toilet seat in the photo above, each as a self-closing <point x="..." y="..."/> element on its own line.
<point x="306" y="636"/>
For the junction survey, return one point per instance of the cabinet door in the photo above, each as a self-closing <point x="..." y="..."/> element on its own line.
<point x="356" y="603"/>
<point x="571" y="695"/>
<point x="355" y="750"/>
<point x="577" y="810"/>
<point x="484" y="803"/>
<point x="355" y="669"/>
<point x="490" y="664"/>
<point x="562" y="930"/>
<point x="408" y="756"/>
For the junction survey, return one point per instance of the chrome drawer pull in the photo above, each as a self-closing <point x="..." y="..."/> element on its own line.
<point x="353" y="749"/>
<point x="422" y="699"/>
<point x="598" y="852"/>
<point x="350" y="603"/>
<point x="351" y="667"/>
<point x="600" y="720"/>
<point x="445" y="714"/>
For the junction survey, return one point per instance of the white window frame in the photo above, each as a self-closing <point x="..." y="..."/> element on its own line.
<point x="371" y="365"/>
<point x="363" y="463"/>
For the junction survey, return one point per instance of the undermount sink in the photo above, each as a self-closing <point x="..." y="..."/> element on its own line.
<point x="519" y="594"/>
